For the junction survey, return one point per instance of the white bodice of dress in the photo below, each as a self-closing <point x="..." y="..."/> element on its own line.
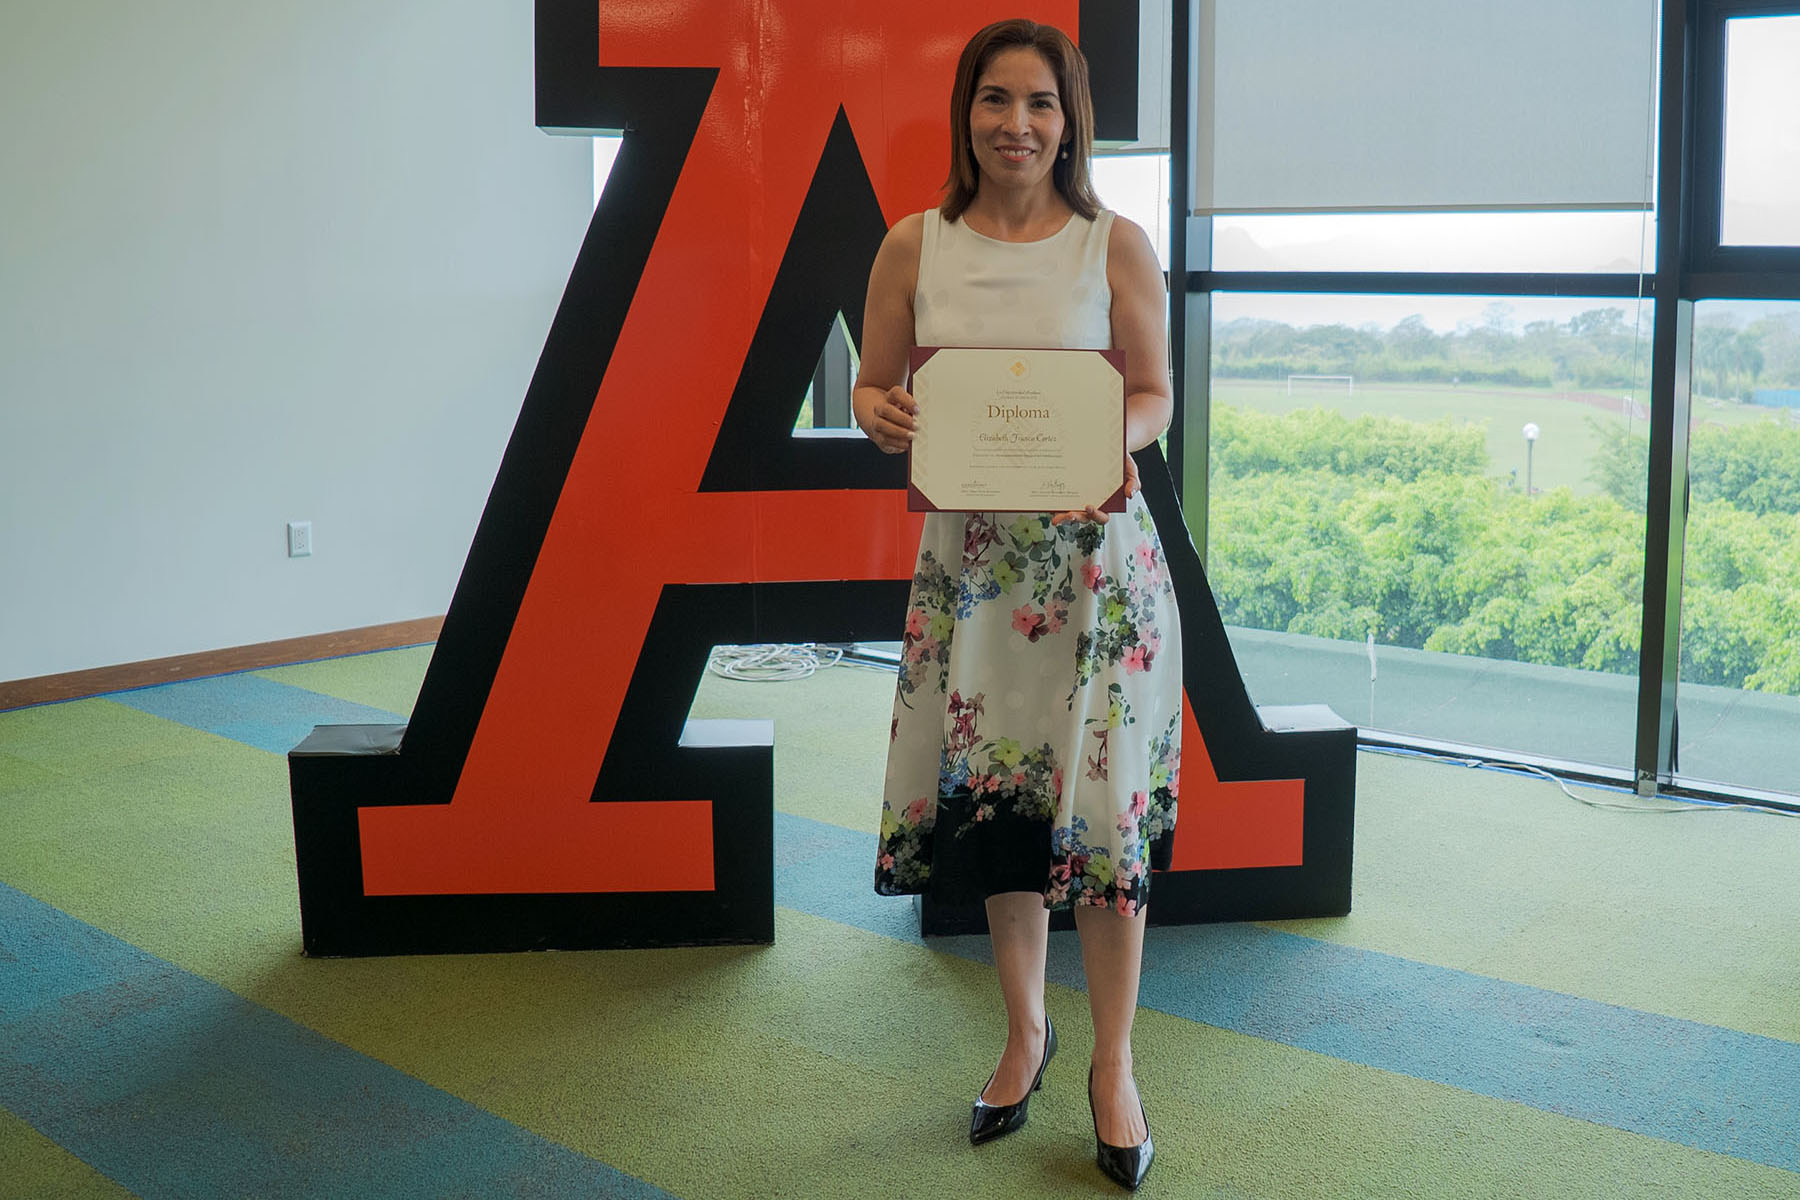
<point x="978" y="291"/>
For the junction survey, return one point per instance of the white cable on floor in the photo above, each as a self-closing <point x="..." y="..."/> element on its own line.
<point x="771" y="663"/>
<point x="1631" y="806"/>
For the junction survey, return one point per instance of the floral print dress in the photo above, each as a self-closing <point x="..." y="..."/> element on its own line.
<point x="1036" y="737"/>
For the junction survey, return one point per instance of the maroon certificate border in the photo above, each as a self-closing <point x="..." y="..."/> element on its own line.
<point x="918" y="501"/>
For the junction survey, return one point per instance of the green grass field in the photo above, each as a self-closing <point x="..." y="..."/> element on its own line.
<point x="1567" y="440"/>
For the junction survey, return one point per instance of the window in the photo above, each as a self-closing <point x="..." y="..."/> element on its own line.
<point x="1739" y="701"/>
<point x="1137" y="186"/>
<point x="1761" y="171"/>
<point x="1419" y="516"/>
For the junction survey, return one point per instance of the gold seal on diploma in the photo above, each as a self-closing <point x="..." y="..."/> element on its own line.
<point x="1013" y="430"/>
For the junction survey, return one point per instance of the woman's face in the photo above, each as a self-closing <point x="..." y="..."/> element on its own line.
<point x="1016" y="125"/>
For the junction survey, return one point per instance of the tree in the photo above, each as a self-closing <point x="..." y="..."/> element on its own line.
<point x="1248" y="442"/>
<point x="1778" y="337"/>
<point x="1754" y="467"/>
<point x="1713" y="349"/>
<point x="1598" y="323"/>
<point x="1338" y="528"/>
<point x="1729" y="357"/>
<point x="1746" y="360"/>
<point x="1621" y="467"/>
<point x="1413" y="338"/>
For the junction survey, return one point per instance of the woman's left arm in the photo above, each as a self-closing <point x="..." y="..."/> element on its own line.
<point x="1139" y="316"/>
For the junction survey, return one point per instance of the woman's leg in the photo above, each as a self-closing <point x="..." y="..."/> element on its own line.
<point x="1019" y="925"/>
<point x="1112" y="955"/>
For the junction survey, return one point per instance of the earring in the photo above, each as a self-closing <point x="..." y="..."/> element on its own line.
<point x="1065" y="153"/>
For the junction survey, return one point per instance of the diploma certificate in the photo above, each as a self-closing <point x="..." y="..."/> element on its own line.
<point x="1017" y="430"/>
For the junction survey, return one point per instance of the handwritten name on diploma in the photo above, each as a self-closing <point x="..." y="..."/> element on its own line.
<point x="1014" y="437"/>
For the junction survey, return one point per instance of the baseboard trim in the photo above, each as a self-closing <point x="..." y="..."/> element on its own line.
<point x="74" y="685"/>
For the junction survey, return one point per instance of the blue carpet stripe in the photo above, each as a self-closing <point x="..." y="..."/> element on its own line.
<point x="250" y="709"/>
<point x="1714" y="1089"/>
<point x="1680" y="1081"/>
<point x="173" y="1086"/>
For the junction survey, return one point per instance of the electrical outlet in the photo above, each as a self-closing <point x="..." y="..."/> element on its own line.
<point x="299" y="539"/>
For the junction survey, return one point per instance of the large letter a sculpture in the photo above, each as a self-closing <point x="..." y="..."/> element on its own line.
<point x="547" y="791"/>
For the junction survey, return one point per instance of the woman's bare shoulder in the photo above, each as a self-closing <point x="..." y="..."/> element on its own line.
<point x="907" y="235"/>
<point x="1127" y="238"/>
<point x="897" y="262"/>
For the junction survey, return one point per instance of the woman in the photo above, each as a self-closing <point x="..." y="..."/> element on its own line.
<point x="1035" y="746"/>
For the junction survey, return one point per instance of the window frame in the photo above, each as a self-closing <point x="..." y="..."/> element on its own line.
<point x="1716" y="270"/>
<point x="1691" y="265"/>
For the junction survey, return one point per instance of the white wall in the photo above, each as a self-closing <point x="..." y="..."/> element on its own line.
<point x="260" y="263"/>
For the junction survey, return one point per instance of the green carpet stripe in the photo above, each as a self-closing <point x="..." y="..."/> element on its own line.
<point x="31" y="1165"/>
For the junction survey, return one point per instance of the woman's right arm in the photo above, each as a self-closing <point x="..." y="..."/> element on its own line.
<point x="884" y="410"/>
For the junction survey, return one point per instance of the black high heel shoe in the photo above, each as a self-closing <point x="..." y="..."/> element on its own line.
<point x="1125" y="1165"/>
<point x="989" y="1121"/>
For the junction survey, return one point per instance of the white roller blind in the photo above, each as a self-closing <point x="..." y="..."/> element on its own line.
<point x="1323" y="105"/>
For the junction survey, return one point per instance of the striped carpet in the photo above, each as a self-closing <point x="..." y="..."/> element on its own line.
<point x="1533" y="998"/>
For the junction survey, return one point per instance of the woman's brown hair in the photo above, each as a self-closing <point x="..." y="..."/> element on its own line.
<point x="1070" y="175"/>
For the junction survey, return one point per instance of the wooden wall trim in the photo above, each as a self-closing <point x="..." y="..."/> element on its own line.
<point x="45" y="689"/>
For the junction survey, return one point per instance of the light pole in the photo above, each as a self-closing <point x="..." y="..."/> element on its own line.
<point x="1531" y="437"/>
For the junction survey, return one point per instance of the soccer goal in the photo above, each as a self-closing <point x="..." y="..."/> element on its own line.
<point x="1322" y="383"/>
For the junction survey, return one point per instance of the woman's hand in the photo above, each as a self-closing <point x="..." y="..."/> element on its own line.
<point x="1090" y="513"/>
<point x="885" y="412"/>
<point x="892" y="419"/>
